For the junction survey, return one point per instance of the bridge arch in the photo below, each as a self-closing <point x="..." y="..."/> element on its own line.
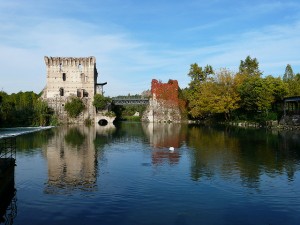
<point x="103" y="120"/>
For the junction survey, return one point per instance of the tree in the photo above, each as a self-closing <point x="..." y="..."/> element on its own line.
<point x="292" y="80"/>
<point x="226" y="89"/>
<point x="74" y="107"/>
<point x="250" y="67"/>
<point x="216" y="95"/>
<point x="42" y="113"/>
<point x="288" y="74"/>
<point x="100" y="102"/>
<point x="198" y="74"/>
<point x="257" y="94"/>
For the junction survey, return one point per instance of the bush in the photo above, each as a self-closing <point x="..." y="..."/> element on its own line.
<point x="100" y="102"/>
<point x="74" y="107"/>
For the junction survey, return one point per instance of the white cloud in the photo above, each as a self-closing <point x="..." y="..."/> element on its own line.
<point x="127" y="63"/>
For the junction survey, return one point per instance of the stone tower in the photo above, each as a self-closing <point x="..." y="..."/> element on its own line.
<point x="69" y="77"/>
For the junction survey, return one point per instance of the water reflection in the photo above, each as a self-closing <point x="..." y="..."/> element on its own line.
<point x="238" y="154"/>
<point x="242" y="152"/>
<point x="72" y="161"/>
<point x="161" y="138"/>
<point x="214" y="176"/>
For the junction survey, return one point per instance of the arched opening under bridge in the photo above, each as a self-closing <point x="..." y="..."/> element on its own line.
<point x="103" y="122"/>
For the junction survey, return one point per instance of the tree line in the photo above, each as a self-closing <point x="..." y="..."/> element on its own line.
<point x="242" y="95"/>
<point x="24" y="109"/>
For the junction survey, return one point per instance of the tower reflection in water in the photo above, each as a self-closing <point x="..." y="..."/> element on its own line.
<point x="161" y="138"/>
<point x="8" y="200"/>
<point x="72" y="159"/>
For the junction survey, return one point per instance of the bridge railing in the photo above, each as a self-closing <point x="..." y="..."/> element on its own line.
<point x="130" y="100"/>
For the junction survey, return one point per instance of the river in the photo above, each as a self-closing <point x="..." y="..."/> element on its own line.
<point x="126" y="174"/>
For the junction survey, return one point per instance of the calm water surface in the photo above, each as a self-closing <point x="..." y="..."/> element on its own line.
<point x="127" y="175"/>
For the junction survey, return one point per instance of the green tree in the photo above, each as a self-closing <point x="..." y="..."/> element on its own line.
<point x="226" y="90"/>
<point x="214" y="96"/>
<point x="259" y="94"/>
<point x="101" y="102"/>
<point x="292" y="80"/>
<point x="198" y="74"/>
<point x="288" y="74"/>
<point x="74" y="107"/>
<point x="42" y="113"/>
<point x="249" y="67"/>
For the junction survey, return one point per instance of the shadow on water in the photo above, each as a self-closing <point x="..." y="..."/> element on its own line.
<point x="8" y="203"/>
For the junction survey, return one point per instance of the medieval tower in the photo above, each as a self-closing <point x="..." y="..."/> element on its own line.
<point x="69" y="77"/>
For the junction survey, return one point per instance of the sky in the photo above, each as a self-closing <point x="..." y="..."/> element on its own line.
<point x="135" y="41"/>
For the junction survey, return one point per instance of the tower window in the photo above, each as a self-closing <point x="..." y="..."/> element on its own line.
<point x="80" y="67"/>
<point x="78" y="93"/>
<point x="64" y="76"/>
<point x="85" y="93"/>
<point x="61" y="92"/>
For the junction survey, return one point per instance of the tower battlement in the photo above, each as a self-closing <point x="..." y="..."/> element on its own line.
<point x="70" y="61"/>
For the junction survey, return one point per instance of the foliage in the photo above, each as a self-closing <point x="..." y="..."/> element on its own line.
<point x="110" y="114"/>
<point x="288" y="74"/>
<point x="121" y="112"/>
<point x="23" y="109"/>
<point x="42" y="113"/>
<point x="198" y="74"/>
<point x="216" y="95"/>
<point x="100" y="102"/>
<point x="54" y="120"/>
<point x="243" y="95"/>
<point x="74" y="107"/>
<point x="292" y="81"/>
<point x="249" y="67"/>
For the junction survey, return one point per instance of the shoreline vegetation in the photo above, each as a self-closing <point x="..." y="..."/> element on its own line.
<point x="246" y="98"/>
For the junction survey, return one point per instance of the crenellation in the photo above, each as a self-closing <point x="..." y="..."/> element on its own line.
<point x="70" y="61"/>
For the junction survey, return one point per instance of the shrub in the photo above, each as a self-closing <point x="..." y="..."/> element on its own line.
<point x="74" y="107"/>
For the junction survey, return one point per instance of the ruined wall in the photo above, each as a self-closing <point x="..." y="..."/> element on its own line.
<point x="70" y="77"/>
<point x="167" y="92"/>
<point x="164" y="104"/>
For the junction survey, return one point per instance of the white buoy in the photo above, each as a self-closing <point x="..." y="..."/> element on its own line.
<point x="171" y="148"/>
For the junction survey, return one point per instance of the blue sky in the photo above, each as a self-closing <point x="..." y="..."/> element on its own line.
<point x="135" y="41"/>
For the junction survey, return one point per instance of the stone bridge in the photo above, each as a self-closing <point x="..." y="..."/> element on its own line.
<point x="103" y="119"/>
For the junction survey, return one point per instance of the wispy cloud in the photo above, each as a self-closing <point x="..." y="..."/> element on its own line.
<point x="125" y="59"/>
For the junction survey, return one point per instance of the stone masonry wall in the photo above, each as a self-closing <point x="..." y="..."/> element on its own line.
<point x="164" y="104"/>
<point x="69" y="77"/>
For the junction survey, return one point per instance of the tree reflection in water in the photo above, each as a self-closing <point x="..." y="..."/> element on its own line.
<point x="242" y="152"/>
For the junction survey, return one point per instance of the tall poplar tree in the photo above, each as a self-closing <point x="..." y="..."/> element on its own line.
<point x="288" y="74"/>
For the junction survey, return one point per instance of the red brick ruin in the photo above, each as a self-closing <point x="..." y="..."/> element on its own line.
<point x="165" y="91"/>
